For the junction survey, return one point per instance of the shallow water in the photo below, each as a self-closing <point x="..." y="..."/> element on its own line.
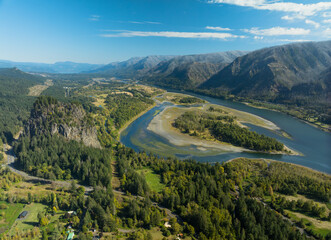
<point x="314" y="143"/>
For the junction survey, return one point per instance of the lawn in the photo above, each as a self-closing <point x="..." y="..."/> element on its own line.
<point x="31" y="219"/>
<point x="9" y="215"/>
<point x="153" y="180"/>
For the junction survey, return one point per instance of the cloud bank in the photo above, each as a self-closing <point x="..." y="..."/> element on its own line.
<point x="278" y="31"/>
<point x="300" y="9"/>
<point x="168" y="34"/>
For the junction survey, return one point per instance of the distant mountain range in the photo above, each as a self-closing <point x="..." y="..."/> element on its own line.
<point x="58" y="67"/>
<point x="131" y="68"/>
<point x="191" y="70"/>
<point x="288" y="71"/>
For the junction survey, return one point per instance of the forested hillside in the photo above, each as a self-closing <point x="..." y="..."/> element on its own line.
<point x="14" y="103"/>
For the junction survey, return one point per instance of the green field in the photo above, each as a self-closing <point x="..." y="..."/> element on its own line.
<point x="9" y="215"/>
<point x="317" y="226"/>
<point x="31" y="219"/>
<point x="153" y="180"/>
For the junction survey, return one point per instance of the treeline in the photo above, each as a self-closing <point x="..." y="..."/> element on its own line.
<point x="54" y="157"/>
<point x="223" y="128"/>
<point x="124" y="107"/>
<point x="190" y="100"/>
<point x="207" y="200"/>
<point x="284" y="178"/>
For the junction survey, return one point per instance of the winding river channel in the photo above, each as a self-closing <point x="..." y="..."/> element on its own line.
<point x="313" y="143"/>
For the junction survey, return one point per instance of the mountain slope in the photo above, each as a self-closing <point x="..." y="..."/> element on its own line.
<point x="132" y="67"/>
<point x="191" y="70"/>
<point x="58" y="67"/>
<point x="281" y="71"/>
<point x="15" y="103"/>
<point x="14" y="82"/>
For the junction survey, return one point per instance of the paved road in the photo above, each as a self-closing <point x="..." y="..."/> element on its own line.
<point x="10" y="163"/>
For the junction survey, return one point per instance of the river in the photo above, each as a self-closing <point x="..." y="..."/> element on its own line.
<point x="313" y="143"/>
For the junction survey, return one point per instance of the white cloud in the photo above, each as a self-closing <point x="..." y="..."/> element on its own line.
<point x="327" y="32"/>
<point x="258" y="37"/>
<point x="94" y="18"/>
<point x="293" y="16"/>
<point x="173" y="34"/>
<point x="218" y="28"/>
<point x="289" y="7"/>
<point x="311" y="22"/>
<point x="326" y="14"/>
<point x="277" y="31"/>
<point x="294" y="40"/>
<point x="143" y="22"/>
<point x="327" y="21"/>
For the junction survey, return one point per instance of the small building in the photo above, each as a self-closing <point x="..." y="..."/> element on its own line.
<point x="167" y="225"/>
<point x="70" y="236"/>
<point x="23" y="214"/>
<point x="72" y="213"/>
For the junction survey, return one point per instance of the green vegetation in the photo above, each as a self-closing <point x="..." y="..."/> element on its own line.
<point x="58" y="158"/>
<point x="153" y="180"/>
<point x="14" y="103"/>
<point x="8" y="214"/>
<point x="180" y="99"/>
<point x="113" y="105"/>
<point x="31" y="220"/>
<point x="224" y="129"/>
<point x="206" y="200"/>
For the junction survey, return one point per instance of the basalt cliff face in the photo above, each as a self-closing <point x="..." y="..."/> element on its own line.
<point x="66" y="119"/>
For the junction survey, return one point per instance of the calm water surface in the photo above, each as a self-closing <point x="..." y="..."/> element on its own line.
<point x="314" y="143"/>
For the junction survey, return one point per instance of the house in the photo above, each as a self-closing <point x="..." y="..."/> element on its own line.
<point x="167" y="225"/>
<point x="23" y="214"/>
<point x="72" y="213"/>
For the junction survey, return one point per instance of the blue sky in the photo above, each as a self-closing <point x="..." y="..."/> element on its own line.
<point x="103" y="31"/>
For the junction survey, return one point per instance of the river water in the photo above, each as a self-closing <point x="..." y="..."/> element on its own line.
<point x="312" y="142"/>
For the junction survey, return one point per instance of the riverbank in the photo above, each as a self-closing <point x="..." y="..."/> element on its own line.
<point x="319" y="125"/>
<point x="133" y="119"/>
<point x="161" y="125"/>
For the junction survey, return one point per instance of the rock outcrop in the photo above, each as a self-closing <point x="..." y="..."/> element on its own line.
<point x="67" y="119"/>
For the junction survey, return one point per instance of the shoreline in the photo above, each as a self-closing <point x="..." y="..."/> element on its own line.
<point x="161" y="125"/>
<point x="132" y="120"/>
<point x="328" y="130"/>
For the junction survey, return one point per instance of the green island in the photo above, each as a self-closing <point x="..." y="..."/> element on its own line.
<point x="203" y="125"/>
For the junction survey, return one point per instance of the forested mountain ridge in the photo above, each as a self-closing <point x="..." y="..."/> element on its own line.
<point x="284" y="72"/>
<point x="191" y="70"/>
<point x="132" y="67"/>
<point x="15" y="103"/>
<point x="58" y="67"/>
<point x="49" y="116"/>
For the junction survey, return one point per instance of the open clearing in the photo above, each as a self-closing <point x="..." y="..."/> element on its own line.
<point x="38" y="89"/>
<point x="322" y="227"/>
<point x="320" y="204"/>
<point x="153" y="180"/>
<point x="31" y="220"/>
<point x="9" y="215"/>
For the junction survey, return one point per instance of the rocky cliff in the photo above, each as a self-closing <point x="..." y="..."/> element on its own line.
<point x="49" y="116"/>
